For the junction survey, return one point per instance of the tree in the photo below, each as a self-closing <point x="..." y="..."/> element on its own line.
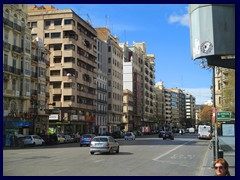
<point x="206" y="115"/>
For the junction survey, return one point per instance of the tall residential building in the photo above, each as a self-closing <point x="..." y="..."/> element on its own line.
<point x="72" y="43"/>
<point x="128" y="123"/>
<point x="190" y="110"/>
<point x="39" y="86"/>
<point x="132" y="80"/>
<point x="101" y="123"/>
<point x="159" y="104"/>
<point x="115" y="78"/>
<point x="178" y="107"/>
<point x="25" y="76"/>
<point x="148" y="79"/>
<point x="225" y="89"/>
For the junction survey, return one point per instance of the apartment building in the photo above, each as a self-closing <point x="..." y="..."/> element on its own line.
<point x="132" y="81"/>
<point x="149" y="82"/>
<point x="72" y="89"/>
<point x="115" y="78"/>
<point x="225" y="89"/>
<point x="128" y="123"/>
<point x="25" y="78"/>
<point x="190" y="110"/>
<point x="101" y="122"/>
<point x="39" y="86"/>
<point x="159" y="104"/>
<point x="178" y="107"/>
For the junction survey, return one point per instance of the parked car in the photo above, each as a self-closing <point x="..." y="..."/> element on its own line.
<point x="33" y="140"/>
<point x="68" y="138"/>
<point x="137" y="133"/>
<point x="86" y="139"/>
<point x="104" y="144"/>
<point x="129" y="135"/>
<point x="17" y="140"/>
<point x="118" y="134"/>
<point x="75" y="138"/>
<point x="61" y="139"/>
<point x="50" y="139"/>
<point x="160" y="135"/>
<point x="168" y="134"/>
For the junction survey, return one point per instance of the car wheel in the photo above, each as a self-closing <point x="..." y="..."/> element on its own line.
<point x="91" y="153"/>
<point x="117" y="151"/>
<point x="164" y="138"/>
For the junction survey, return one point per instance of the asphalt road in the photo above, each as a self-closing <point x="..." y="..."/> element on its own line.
<point x="146" y="156"/>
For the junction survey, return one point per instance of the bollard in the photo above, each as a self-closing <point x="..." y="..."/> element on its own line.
<point x="220" y="153"/>
<point x="213" y="148"/>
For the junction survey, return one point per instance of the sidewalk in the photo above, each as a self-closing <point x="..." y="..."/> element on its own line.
<point x="227" y="144"/>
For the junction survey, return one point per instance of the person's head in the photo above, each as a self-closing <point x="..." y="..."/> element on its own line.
<point x="221" y="167"/>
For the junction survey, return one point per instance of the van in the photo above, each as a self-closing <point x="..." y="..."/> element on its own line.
<point x="204" y="132"/>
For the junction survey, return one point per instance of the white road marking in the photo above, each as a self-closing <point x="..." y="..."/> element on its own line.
<point x="60" y="171"/>
<point x="166" y="153"/>
<point x="99" y="160"/>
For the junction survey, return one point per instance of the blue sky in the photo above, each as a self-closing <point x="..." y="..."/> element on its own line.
<point x="165" y="30"/>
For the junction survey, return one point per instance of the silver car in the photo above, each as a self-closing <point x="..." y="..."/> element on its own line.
<point x="104" y="144"/>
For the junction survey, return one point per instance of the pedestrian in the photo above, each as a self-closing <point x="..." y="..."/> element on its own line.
<point x="221" y="167"/>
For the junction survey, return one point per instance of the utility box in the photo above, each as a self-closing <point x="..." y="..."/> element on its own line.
<point x="212" y="30"/>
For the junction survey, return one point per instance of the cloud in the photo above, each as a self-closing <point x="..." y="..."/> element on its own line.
<point x="202" y="95"/>
<point x="179" y="19"/>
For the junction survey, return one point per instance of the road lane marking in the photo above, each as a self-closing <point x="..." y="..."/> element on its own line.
<point x="166" y="153"/>
<point x="99" y="160"/>
<point x="60" y="171"/>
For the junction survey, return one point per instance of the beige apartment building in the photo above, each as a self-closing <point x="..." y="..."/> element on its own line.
<point x="72" y="89"/>
<point x="115" y="78"/>
<point x="149" y="83"/>
<point x="225" y="89"/>
<point x="25" y="76"/>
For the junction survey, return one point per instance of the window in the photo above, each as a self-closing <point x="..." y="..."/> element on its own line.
<point x="47" y="23"/>
<point x="55" y="73"/>
<point x="14" y="84"/>
<point x="57" y="47"/>
<point x="47" y="35"/>
<point x="58" y="22"/>
<point x="55" y="35"/>
<point x="109" y="60"/>
<point x="57" y="59"/>
<point x="69" y="21"/>
<point x="33" y="24"/>
<point x="6" y="59"/>
<point x="109" y="48"/>
<point x="67" y="85"/>
<point x="69" y="47"/>
<point x="6" y="36"/>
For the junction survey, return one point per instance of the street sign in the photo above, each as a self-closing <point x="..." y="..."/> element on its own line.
<point x="223" y="116"/>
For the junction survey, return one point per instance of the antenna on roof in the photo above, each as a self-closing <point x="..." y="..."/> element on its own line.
<point x="107" y="19"/>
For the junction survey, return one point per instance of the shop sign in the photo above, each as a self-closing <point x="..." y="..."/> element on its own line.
<point x="53" y="117"/>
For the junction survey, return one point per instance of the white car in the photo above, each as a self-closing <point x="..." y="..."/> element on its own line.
<point x="103" y="144"/>
<point x="129" y="135"/>
<point x="33" y="140"/>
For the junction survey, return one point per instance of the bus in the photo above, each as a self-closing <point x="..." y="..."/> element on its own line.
<point x="204" y="132"/>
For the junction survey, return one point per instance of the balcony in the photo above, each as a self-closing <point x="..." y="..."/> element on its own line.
<point x="57" y="91"/>
<point x="17" y="49"/>
<point x="7" y="46"/>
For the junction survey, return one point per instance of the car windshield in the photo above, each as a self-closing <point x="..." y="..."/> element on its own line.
<point x="128" y="134"/>
<point x="100" y="139"/>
